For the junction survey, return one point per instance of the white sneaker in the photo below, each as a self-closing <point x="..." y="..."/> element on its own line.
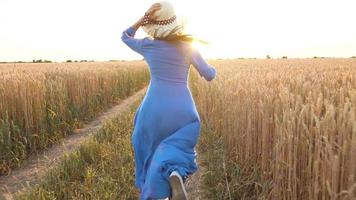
<point x="177" y="186"/>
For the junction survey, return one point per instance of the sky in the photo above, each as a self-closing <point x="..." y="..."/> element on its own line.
<point x="59" y="30"/>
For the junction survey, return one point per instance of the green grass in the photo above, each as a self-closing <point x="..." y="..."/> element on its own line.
<point x="103" y="168"/>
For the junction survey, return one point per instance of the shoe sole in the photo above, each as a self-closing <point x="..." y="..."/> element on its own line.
<point x="178" y="189"/>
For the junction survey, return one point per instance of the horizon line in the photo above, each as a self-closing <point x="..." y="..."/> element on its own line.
<point x="267" y="57"/>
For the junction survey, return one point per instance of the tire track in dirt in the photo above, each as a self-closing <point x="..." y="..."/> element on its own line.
<point x="37" y="166"/>
<point x="193" y="185"/>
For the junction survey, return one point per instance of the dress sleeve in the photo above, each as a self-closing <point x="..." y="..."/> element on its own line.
<point x="128" y="38"/>
<point x="205" y="70"/>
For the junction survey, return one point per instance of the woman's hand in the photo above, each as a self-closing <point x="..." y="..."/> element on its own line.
<point x="151" y="11"/>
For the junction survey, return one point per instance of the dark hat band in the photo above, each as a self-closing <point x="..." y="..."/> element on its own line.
<point x="165" y="22"/>
<point x="147" y="20"/>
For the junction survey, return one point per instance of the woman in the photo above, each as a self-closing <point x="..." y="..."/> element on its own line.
<point x="166" y="124"/>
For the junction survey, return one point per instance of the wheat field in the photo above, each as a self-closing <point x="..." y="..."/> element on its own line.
<point x="271" y="129"/>
<point x="287" y="127"/>
<point x="40" y="103"/>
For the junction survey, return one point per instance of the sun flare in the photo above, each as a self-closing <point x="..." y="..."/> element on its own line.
<point x="201" y="46"/>
<point x="196" y="45"/>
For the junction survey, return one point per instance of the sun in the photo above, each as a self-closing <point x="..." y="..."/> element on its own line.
<point x="200" y="45"/>
<point x="196" y="45"/>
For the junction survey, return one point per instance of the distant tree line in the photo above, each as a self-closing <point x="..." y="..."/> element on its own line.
<point x="69" y="61"/>
<point x="41" y="61"/>
<point x="269" y="57"/>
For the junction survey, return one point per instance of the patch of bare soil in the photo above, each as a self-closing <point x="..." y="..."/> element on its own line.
<point x="193" y="184"/>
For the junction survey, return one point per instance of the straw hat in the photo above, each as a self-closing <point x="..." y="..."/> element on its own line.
<point x="166" y="22"/>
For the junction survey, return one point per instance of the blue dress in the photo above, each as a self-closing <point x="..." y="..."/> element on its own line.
<point x="166" y="124"/>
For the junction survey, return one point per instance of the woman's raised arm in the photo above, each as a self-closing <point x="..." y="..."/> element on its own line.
<point x="128" y="36"/>
<point x="205" y="70"/>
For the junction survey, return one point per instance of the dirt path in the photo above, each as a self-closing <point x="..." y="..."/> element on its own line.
<point x="36" y="167"/>
<point x="193" y="184"/>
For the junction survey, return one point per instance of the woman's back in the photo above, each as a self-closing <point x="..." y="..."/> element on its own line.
<point x="168" y="61"/>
